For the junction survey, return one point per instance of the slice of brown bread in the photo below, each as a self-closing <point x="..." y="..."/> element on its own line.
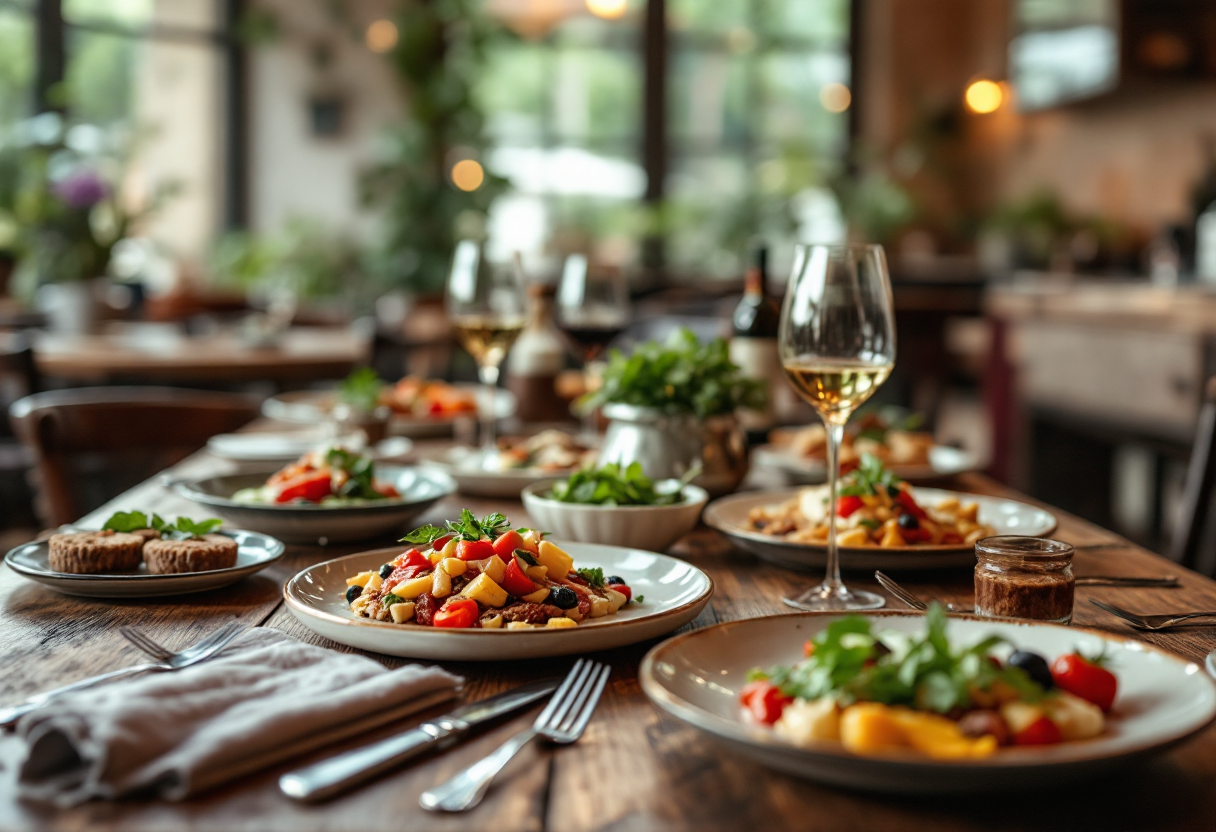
<point x="200" y="554"/>
<point x="86" y="552"/>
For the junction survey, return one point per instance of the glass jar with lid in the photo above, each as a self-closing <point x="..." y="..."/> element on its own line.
<point x="1024" y="577"/>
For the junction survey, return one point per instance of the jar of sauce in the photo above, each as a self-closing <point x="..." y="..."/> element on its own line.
<point x="1024" y="577"/>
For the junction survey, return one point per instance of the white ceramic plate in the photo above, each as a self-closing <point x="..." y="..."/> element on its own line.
<point x="697" y="677"/>
<point x="291" y="445"/>
<point x="944" y="461"/>
<point x="675" y="593"/>
<point x="255" y="553"/>
<point x="460" y="465"/>
<point x="729" y="516"/>
<point x="311" y="406"/>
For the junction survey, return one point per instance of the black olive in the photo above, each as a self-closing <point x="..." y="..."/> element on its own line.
<point x="614" y="579"/>
<point x="386" y="570"/>
<point x="908" y="521"/>
<point x="1035" y="667"/>
<point x="562" y="597"/>
<point x="352" y="592"/>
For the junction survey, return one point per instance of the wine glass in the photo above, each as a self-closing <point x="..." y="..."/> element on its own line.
<point x="487" y="306"/>
<point x="837" y="342"/>
<point x="592" y="306"/>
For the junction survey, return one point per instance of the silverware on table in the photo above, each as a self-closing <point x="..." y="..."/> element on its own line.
<point x="1116" y="580"/>
<point x="1151" y="622"/>
<point x="907" y="597"/>
<point x="335" y="774"/>
<point x="561" y="722"/>
<point x="201" y="651"/>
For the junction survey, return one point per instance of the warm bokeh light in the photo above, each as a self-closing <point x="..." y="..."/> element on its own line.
<point x="608" y="9"/>
<point x="835" y="98"/>
<point x="984" y="96"/>
<point x="381" y="36"/>
<point x="467" y="175"/>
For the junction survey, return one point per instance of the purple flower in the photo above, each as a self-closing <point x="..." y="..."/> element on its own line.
<point x="82" y="189"/>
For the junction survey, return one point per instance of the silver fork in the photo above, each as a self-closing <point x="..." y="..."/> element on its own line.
<point x="1151" y="622"/>
<point x="561" y="722"/>
<point x="907" y="597"/>
<point x="164" y="660"/>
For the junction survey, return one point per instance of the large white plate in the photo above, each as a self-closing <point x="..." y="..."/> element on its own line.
<point x="675" y="593"/>
<point x="254" y="553"/>
<point x="460" y="465"/>
<point x="729" y="516"/>
<point x="697" y="677"/>
<point x="311" y="406"/>
<point x="944" y="461"/>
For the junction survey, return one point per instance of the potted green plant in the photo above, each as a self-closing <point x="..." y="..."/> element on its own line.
<point x="671" y="406"/>
<point x="359" y="406"/>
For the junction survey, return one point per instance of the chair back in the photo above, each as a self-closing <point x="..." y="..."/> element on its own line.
<point x="1187" y="539"/>
<point x="92" y="444"/>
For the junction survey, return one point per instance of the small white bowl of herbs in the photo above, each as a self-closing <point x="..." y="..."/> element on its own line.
<point x="616" y="506"/>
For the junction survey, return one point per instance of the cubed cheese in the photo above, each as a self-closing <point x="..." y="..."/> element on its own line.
<point x="484" y="591"/>
<point x="455" y="567"/>
<point x="554" y="559"/>
<point x="401" y="612"/>
<point x="441" y="584"/>
<point x="561" y="623"/>
<point x="408" y="590"/>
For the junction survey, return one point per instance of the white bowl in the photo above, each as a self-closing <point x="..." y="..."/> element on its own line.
<point x="642" y="527"/>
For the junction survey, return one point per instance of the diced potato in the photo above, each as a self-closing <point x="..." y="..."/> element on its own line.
<point x="532" y="539"/>
<point x="441" y="584"/>
<point x="803" y="722"/>
<point x="401" y="612"/>
<point x="455" y="567"/>
<point x="449" y="548"/>
<point x="492" y="623"/>
<point x="561" y="623"/>
<point x="1019" y="715"/>
<point x="616" y="600"/>
<point x="373" y="583"/>
<point x="361" y="579"/>
<point x="891" y="536"/>
<point x="1076" y="718"/>
<point x="537" y="597"/>
<point x="854" y="537"/>
<point x="484" y="591"/>
<point x="599" y="607"/>
<point x="554" y="559"/>
<point x="412" y="588"/>
<point x="520" y="625"/>
<point x="435" y="557"/>
<point x="536" y="573"/>
<point x="495" y="568"/>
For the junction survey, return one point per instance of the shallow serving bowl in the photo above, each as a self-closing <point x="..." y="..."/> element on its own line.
<point x="675" y="592"/>
<point x="697" y="677"/>
<point x="304" y="523"/>
<point x="646" y="527"/>
<point x="254" y="553"/>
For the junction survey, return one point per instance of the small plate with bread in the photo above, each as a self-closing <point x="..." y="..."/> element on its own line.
<point x="129" y="559"/>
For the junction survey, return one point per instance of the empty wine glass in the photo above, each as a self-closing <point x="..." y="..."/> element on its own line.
<point x="487" y="306"/>
<point x="837" y="341"/>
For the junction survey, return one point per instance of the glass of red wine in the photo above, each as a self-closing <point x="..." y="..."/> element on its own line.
<point x="592" y="309"/>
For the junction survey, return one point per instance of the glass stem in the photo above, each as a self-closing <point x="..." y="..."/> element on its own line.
<point x="835" y="435"/>
<point x="489" y="420"/>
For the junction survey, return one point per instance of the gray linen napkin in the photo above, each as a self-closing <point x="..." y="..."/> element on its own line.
<point x="266" y="699"/>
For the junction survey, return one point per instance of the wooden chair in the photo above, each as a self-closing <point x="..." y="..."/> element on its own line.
<point x="91" y="444"/>
<point x="1188" y="535"/>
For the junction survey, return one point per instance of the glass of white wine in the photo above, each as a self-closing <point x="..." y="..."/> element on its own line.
<point x="837" y="341"/>
<point x="487" y="305"/>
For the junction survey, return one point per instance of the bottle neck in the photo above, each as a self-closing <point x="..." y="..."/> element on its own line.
<point x="755" y="283"/>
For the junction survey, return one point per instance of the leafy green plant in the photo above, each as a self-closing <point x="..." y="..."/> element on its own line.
<point x="680" y="376"/>
<point x="361" y="390"/>
<point x="610" y="485"/>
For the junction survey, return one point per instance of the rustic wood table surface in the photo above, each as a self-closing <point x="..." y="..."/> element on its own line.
<point x="636" y="768"/>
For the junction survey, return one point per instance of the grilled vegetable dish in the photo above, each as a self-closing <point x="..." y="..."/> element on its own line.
<point x="888" y="692"/>
<point x="329" y="477"/>
<point x="483" y="574"/>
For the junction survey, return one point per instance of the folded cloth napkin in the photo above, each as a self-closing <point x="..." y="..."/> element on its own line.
<point x="266" y="699"/>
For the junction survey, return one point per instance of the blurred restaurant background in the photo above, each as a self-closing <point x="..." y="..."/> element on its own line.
<point x="263" y="195"/>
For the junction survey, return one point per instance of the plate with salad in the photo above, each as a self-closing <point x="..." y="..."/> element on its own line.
<point x="476" y="589"/>
<point x="330" y="495"/>
<point x="928" y="703"/>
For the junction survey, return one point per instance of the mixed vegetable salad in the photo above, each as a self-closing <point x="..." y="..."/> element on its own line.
<point x="329" y="477"/>
<point x="483" y="574"/>
<point x="612" y="485"/>
<point x="883" y="692"/>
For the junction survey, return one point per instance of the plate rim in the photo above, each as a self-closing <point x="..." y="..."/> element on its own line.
<point x="297" y="605"/>
<point x="735" y="731"/>
<point x="501" y="395"/>
<point x="711" y="519"/>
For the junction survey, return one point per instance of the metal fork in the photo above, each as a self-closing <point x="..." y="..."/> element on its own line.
<point x="907" y="597"/>
<point x="164" y="660"/>
<point x="1151" y="622"/>
<point x="561" y="722"/>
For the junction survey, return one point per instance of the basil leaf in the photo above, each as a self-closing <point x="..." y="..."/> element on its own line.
<point x="425" y="534"/>
<point x="127" y="521"/>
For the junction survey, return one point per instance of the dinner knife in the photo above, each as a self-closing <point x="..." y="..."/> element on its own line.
<point x="328" y="777"/>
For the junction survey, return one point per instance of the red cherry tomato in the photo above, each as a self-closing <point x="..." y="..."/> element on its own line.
<point x="412" y="557"/>
<point x="624" y="590"/>
<point x="1040" y="732"/>
<point x="474" y="549"/>
<point x="311" y="487"/>
<point x="457" y="614"/>
<point x="808" y="648"/>
<point x="904" y="498"/>
<point x="847" y="505"/>
<point x="439" y="542"/>
<point x="1084" y="679"/>
<point x="385" y="489"/>
<point x="506" y="544"/>
<point x="765" y="701"/>
<point x="515" y="582"/>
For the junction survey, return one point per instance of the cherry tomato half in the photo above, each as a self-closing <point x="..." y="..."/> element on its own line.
<point x="624" y="590"/>
<point x="515" y="582"/>
<point x="1040" y="732"/>
<point x="765" y="701"/>
<point x="311" y="487"/>
<point x="845" y="506"/>
<point x="474" y="549"/>
<point x="1086" y="680"/>
<point x="412" y="557"/>
<point x="506" y="544"/>
<point x="457" y="614"/>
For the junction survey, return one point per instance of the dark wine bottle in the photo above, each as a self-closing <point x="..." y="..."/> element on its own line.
<point x="753" y="344"/>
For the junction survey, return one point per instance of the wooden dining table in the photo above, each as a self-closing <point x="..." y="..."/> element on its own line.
<point x="636" y="768"/>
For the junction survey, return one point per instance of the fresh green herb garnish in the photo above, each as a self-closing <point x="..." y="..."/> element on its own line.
<point x="426" y="534"/>
<point x="593" y="575"/>
<point x="887" y="418"/>
<point x="680" y="376"/>
<point x="130" y="521"/>
<point x="526" y="557"/>
<point x="361" y="390"/>
<point x="185" y="528"/>
<point x="851" y="663"/>
<point x="467" y="527"/>
<point x="865" y="479"/>
<point x="182" y="529"/>
<point x="387" y="601"/>
<point x="639" y="599"/>
<point x="360" y="471"/>
<point x="609" y="485"/>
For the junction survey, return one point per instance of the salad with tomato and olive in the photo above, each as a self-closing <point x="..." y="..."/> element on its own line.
<point x="329" y="477"/>
<point x="472" y="573"/>
<point x="889" y="692"/>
